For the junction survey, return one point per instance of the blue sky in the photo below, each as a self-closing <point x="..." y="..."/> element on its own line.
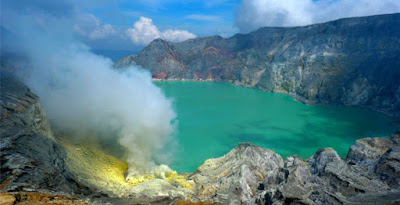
<point x="132" y="24"/>
<point x="202" y="17"/>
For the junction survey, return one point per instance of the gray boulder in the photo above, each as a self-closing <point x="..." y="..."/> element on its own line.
<point x="236" y="177"/>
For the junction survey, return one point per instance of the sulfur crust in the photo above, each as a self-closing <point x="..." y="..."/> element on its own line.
<point x="96" y="168"/>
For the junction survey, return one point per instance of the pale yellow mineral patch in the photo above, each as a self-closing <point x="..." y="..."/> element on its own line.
<point x="6" y="199"/>
<point x="94" y="167"/>
<point x="179" y="179"/>
<point x="140" y="179"/>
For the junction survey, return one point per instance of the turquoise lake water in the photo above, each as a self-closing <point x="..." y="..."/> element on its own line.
<point x="215" y="117"/>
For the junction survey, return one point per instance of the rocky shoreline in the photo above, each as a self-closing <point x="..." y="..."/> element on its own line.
<point x="352" y="62"/>
<point x="33" y="161"/>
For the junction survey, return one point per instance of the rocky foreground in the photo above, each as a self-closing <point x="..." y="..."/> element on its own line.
<point x="40" y="167"/>
<point x="353" y="61"/>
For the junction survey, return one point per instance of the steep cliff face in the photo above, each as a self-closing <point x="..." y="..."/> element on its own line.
<point x="30" y="157"/>
<point x="351" y="61"/>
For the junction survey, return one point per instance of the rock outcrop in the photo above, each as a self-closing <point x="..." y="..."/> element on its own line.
<point x="380" y="156"/>
<point x="254" y="175"/>
<point x="350" y="61"/>
<point x="236" y="177"/>
<point x="36" y="164"/>
<point x="30" y="157"/>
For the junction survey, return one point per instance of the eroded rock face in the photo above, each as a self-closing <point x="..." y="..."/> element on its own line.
<point x="254" y="175"/>
<point x="380" y="156"/>
<point x="350" y="61"/>
<point x="30" y="158"/>
<point x="368" y="149"/>
<point x="236" y="177"/>
<point x="325" y="178"/>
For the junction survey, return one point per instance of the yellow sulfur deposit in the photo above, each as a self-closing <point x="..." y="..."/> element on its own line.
<point x="96" y="168"/>
<point x="141" y="179"/>
<point x="179" y="179"/>
<point x="172" y="177"/>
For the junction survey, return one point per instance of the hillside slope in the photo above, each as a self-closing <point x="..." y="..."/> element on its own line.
<point x="353" y="61"/>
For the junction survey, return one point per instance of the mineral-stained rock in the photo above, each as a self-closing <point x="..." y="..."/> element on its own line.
<point x="321" y="159"/>
<point x="353" y="61"/>
<point x="380" y="156"/>
<point x="30" y="157"/>
<point x="235" y="177"/>
<point x="297" y="185"/>
<point x="157" y="190"/>
<point x="253" y="175"/>
<point x="7" y="199"/>
<point x="368" y="149"/>
<point x="388" y="167"/>
<point x="36" y="198"/>
<point x="327" y="179"/>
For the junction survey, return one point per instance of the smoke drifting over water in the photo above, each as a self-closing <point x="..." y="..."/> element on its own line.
<point x="84" y="96"/>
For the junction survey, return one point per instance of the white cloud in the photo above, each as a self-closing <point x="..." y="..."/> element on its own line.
<point x="176" y="35"/>
<point x="144" y="31"/>
<point x="102" y="32"/>
<point x="253" y="14"/>
<point x="89" y="26"/>
<point x="204" y="17"/>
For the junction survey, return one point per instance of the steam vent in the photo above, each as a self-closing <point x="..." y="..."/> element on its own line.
<point x="200" y="102"/>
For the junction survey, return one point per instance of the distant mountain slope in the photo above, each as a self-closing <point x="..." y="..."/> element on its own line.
<point x="353" y="61"/>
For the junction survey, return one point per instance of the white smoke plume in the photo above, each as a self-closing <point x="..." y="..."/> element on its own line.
<point x="82" y="93"/>
<point x="84" y="96"/>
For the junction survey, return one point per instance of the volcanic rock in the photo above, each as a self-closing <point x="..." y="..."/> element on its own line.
<point x="235" y="177"/>
<point x="352" y="61"/>
<point x="30" y="157"/>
